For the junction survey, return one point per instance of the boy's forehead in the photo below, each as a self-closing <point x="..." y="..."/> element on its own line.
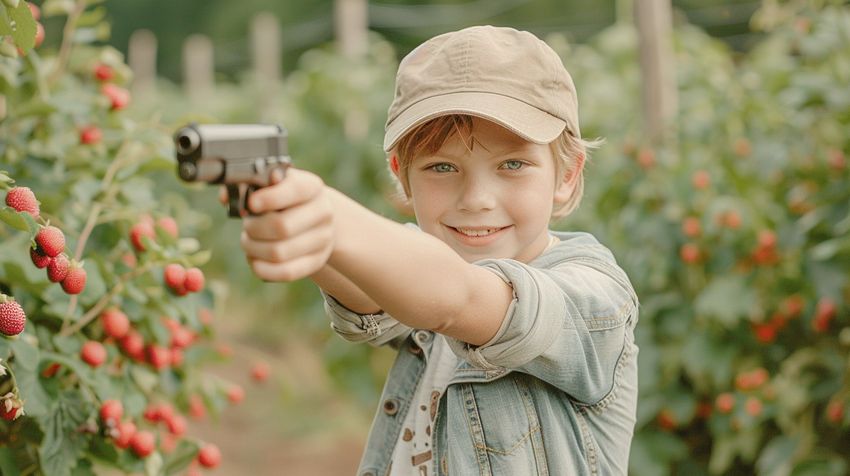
<point x="484" y="137"/>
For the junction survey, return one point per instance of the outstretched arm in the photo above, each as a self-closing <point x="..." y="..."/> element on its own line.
<point x="307" y="229"/>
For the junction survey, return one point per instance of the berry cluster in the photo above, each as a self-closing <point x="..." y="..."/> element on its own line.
<point x="12" y="317"/>
<point x="48" y="249"/>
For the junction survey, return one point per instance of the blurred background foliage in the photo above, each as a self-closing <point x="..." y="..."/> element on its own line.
<point x="735" y="233"/>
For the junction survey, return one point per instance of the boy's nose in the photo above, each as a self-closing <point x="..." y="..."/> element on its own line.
<point x="476" y="195"/>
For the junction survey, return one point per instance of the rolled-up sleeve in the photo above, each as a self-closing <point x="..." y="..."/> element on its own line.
<point x="567" y="325"/>
<point x="374" y="329"/>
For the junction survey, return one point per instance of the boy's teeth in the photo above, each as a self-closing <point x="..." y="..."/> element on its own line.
<point x="477" y="232"/>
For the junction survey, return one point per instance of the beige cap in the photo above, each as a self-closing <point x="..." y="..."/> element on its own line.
<point x="501" y="74"/>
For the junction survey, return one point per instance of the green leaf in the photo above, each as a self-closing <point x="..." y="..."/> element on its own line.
<point x="777" y="456"/>
<point x="7" y="462"/>
<point x="726" y="298"/>
<point x="36" y="399"/>
<point x="63" y="443"/>
<point x="181" y="457"/>
<point x="13" y="218"/>
<point x="23" y="29"/>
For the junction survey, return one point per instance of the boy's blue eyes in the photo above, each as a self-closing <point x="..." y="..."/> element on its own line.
<point x="444" y="167"/>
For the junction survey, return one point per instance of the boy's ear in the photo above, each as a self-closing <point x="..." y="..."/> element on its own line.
<point x="567" y="185"/>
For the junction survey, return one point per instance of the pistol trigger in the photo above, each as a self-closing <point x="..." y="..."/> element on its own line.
<point x="234" y="204"/>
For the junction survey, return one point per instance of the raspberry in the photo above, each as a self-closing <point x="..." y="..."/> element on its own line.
<point x="115" y="323"/>
<point x="260" y="371"/>
<point x="118" y="97"/>
<point x="181" y="337"/>
<point x="126" y="430"/>
<point x="176" y="425"/>
<point x="158" y="356"/>
<point x="103" y="72"/>
<point x="174" y="276"/>
<point x="50" y="240"/>
<point x="36" y="12"/>
<point x="197" y="409"/>
<point x="11" y="414"/>
<point x="235" y="394"/>
<point x="23" y="200"/>
<point x="111" y="412"/>
<point x="725" y="402"/>
<point x="90" y="135"/>
<point x="75" y="281"/>
<point x="142" y="443"/>
<point x="140" y="230"/>
<point x="194" y="280"/>
<point x="93" y="353"/>
<point x="133" y="345"/>
<point x="39" y="259"/>
<point x="57" y="270"/>
<point x="168" y="225"/>
<point x="12" y="317"/>
<point x="209" y="456"/>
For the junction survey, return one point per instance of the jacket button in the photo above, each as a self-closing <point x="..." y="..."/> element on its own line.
<point x="422" y="337"/>
<point x="391" y="406"/>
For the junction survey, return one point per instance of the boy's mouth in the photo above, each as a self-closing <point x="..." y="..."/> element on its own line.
<point x="477" y="231"/>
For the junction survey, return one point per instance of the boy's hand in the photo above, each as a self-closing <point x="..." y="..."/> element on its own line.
<point x="293" y="234"/>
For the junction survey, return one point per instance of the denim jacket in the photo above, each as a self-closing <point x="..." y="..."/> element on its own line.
<point x="554" y="392"/>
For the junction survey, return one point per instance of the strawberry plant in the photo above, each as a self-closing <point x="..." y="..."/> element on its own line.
<point x="95" y="329"/>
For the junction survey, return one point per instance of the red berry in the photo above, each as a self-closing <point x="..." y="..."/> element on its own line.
<point x="39" y="259"/>
<point x="118" y="97"/>
<point x="50" y="370"/>
<point x="23" y="200"/>
<point x="174" y="276"/>
<point x="75" y="281"/>
<point x="140" y="230"/>
<point x="835" y="411"/>
<point x="168" y="225"/>
<point x="753" y="406"/>
<point x="58" y="268"/>
<point x="176" y="425"/>
<point x="197" y="409"/>
<point x="235" y="394"/>
<point x="35" y="11"/>
<point x="142" y="443"/>
<point x="10" y="414"/>
<point x="689" y="253"/>
<point x="701" y="179"/>
<point x="666" y="420"/>
<point x="725" y="402"/>
<point x="158" y="356"/>
<point x="260" y="371"/>
<point x="767" y="239"/>
<point x="209" y="456"/>
<point x="39" y="34"/>
<point x="12" y="317"/>
<point x="126" y="430"/>
<point x="194" y="280"/>
<point x="793" y="305"/>
<point x="646" y="158"/>
<point x="176" y="357"/>
<point x="152" y="413"/>
<point x="103" y="72"/>
<point x="765" y="333"/>
<point x="731" y="219"/>
<point x="90" y="135"/>
<point x="50" y="240"/>
<point x="111" y="412"/>
<point x="166" y="411"/>
<point x="691" y="227"/>
<point x="133" y="345"/>
<point x="93" y="353"/>
<point x="115" y="323"/>
<point x="181" y="337"/>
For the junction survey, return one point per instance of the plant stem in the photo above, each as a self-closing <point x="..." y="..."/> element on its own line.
<point x="67" y="40"/>
<point x="94" y="311"/>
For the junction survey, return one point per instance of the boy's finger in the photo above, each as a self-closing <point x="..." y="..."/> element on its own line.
<point x="290" y="222"/>
<point x="298" y="186"/>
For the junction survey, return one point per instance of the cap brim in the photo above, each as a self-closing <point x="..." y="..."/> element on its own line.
<point x="526" y="121"/>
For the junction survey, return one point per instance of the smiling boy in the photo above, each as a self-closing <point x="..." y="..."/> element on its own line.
<point x="515" y="342"/>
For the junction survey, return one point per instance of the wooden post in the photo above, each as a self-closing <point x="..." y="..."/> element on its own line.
<point x="351" y="26"/>
<point x="654" y="21"/>
<point x="198" y="67"/>
<point x="266" y="55"/>
<point x="266" y="47"/>
<point x="141" y="56"/>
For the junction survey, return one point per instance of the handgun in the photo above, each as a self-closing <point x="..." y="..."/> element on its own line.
<point x="242" y="157"/>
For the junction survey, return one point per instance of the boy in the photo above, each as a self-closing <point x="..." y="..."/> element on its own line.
<point x="515" y="344"/>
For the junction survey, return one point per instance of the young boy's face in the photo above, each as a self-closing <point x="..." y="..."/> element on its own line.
<point x="492" y="199"/>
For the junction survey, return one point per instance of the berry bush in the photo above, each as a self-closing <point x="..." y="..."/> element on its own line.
<point x="105" y="313"/>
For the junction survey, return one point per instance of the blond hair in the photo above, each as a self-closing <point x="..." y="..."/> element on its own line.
<point x="569" y="151"/>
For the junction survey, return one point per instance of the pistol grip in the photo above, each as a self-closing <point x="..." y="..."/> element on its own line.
<point x="236" y="203"/>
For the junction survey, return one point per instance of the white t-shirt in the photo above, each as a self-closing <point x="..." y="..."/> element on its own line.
<point x="413" y="452"/>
